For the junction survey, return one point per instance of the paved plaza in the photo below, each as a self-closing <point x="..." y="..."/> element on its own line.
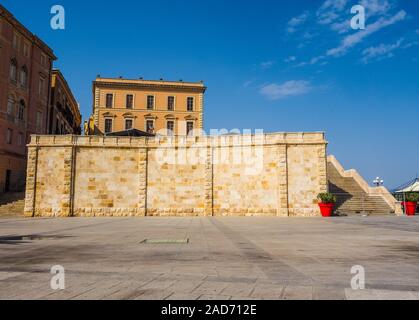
<point x="224" y="258"/>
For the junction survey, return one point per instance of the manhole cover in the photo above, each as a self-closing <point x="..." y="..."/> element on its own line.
<point x="165" y="241"/>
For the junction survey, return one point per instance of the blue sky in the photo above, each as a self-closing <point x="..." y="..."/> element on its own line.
<point x="272" y="65"/>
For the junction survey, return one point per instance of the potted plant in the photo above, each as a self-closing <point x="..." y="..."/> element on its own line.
<point x="411" y="203"/>
<point x="326" y="203"/>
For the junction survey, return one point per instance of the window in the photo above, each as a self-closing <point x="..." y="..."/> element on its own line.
<point x="24" y="77"/>
<point x="41" y="86"/>
<point x="128" y="124"/>
<point x="21" y="111"/>
<point x="190" y="103"/>
<point x="20" y="139"/>
<point x="9" y="135"/>
<point x="108" y="125"/>
<point x="13" y="70"/>
<point x="150" y="102"/>
<point x="130" y="101"/>
<point x="109" y="100"/>
<point x="10" y="105"/>
<point x="26" y="51"/>
<point x="44" y="60"/>
<point x="171" y="103"/>
<point x="15" y="41"/>
<point x="170" y="127"/>
<point x="189" y="127"/>
<point x="150" y="126"/>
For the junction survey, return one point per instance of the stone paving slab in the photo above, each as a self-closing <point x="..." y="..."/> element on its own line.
<point x="380" y="295"/>
<point x="226" y="258"/>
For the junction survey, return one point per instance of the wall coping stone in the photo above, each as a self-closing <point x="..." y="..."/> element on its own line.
<point x="287" y="138"/>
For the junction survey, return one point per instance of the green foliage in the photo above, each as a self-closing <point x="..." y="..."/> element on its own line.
<point x="412" y="197"/>
<point x="326" y="197"/>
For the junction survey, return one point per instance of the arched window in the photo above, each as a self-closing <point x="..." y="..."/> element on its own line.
<point x="13" y="70"/>
<point x="24" y="77"/>
<point x="21" y="110"/>
<point x="10" y="105"/>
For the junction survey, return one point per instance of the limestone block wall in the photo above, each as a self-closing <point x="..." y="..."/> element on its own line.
<point x="302" y="183"/>
<point x="241" y="193"/>
<point x="105" y="179"/>
<point x="174" y="188"/>
<point x="49" y="181"/>
<point x="274" y="175"/>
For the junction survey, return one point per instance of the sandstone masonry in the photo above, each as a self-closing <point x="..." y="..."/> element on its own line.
<point x="247" y="175"/>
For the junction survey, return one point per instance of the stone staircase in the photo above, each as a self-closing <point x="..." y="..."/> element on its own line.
<point x="12" y="204"/>
<point x="355" y="196"/>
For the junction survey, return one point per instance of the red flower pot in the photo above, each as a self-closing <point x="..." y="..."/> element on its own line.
<point x="410" y="208"/>
<point x="326" y="209"/>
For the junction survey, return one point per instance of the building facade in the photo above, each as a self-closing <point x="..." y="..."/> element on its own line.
<point x="25" y="74"/>
<point x="64" y="114"/>
<point x="156" y="107"/>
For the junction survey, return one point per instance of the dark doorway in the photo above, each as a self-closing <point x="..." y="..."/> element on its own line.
<point x="7" y="184"/>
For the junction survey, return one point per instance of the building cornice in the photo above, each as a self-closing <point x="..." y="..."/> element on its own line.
<point x="157" y="85"/>
<point x="24" y="31"/>
<point x="13" y="154"/>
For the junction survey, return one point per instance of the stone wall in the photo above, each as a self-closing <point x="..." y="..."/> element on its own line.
<point x="274" y="175"/>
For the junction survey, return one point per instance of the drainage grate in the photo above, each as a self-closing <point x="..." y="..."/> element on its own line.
<point x="165" y="241"/>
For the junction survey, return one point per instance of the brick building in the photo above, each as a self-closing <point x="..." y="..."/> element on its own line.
<point x="25" y="73"/>
<point x="27" y="103"/>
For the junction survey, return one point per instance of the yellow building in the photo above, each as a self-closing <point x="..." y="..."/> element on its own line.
<point x="156" y="107"/>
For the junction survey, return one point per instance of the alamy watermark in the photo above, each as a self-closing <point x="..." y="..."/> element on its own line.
<point x="58" y="280"/>
<point x="235" y="147"/>
<point x="358" y="279"/>
<point x="358" y="21"/>
<point x="58" y="19"/>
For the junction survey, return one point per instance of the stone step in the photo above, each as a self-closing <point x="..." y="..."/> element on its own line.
<point x="351" y="197"/>
<point x="16" y="203"/>
<point x="13" y="208"/>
